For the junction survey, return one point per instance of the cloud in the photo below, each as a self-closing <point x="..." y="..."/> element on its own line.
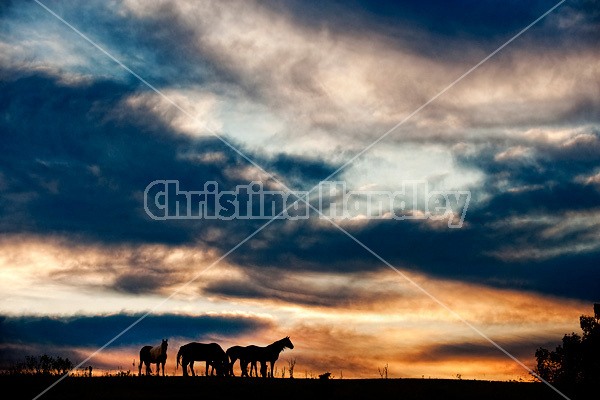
<point x="78" y="336"/>
<point x="303" y="71"/>
<point x="74" y="169"/>
<point x="335" y="291"/>
<point x="473" y="351"/>
<point x="81" y="169"/>
<point x="78" y="172"/>
<point x="95" y="331"/>
<point x="336" y="71"/>
<point x="79" y="154"/>
<point x="459" y="21"/>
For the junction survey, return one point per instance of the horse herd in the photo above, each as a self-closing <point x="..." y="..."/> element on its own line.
<point x="220" y="361"/>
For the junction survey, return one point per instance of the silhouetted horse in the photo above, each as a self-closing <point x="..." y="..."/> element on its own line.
<point x="235" y="353"/>
<point x="269" y="354"/>
<point x="239" y="353"/>
<point x="153" y="355"/>
<point x="212" y="353"/>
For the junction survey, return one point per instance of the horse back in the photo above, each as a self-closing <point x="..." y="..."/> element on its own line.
<point x="258" y="353"/>
<point x="145" y="353"/>
<point x="251" y="352"/>
<point x="235" y="352"/>
<point x="217" y="350"/>
<point x="145" y="350"/>
<point x="203" y="351"/>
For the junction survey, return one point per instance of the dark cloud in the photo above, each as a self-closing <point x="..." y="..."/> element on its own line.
<point x="137" y="283"/>
<point x="521" y="348"/>
<point x="303" y="173"/>
<point x="71" y="167"/>
<point x="352" y="292"/>
<point x="440" y="29"/>
<point x="76" y="337"/>
<point x="439" y="17"/>
<point x="470" y="253"/>
<point x="464" y="254"/>
<point x="542" y="162"/>
<point x="80" y="173"/>
<point x="504" y="242"/>
<point x="95" y="331"/>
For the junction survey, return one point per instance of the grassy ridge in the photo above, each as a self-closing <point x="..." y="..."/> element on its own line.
<point x="149" y="388"/>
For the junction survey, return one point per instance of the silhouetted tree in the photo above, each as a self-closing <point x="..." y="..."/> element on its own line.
<point x="577" y="359"/>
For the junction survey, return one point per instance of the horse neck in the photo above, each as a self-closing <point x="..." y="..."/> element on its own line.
<point x="278" y="345"/>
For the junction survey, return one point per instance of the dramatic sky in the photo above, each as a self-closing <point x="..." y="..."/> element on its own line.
<point x="300" y="88"/>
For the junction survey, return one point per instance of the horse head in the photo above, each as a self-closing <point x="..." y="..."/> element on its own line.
<point x="288" y="343"/>
<point x="163" y="346"/>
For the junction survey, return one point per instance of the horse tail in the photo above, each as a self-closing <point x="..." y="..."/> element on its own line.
<point x="179" y="355"/>
<point x="140" y="365"/>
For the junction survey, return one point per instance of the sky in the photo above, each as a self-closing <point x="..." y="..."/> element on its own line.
<point x="299" y="88"/>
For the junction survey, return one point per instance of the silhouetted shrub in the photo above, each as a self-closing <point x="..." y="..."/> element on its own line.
<point x="42" y="365"/>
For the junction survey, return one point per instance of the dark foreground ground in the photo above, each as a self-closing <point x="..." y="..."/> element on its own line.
<point x="149" y="388"/>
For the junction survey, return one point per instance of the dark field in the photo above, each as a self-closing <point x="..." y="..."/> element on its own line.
<point x="147" y="388"/>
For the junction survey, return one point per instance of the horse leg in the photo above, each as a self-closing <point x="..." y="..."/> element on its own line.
<point x="243" y="367"/>
<point x="263" y="369"/>
<point x="184" y="366"/>
<point x="192" y="367"/>
<point x="163" y="367"/>
<point x="230" y="365"/>
<point x="272" y="363"/>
